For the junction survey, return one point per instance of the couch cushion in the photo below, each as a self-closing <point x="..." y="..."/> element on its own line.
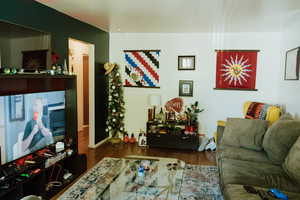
<point x="237" y="192"/>
<point x="286" y="116"/>
<point x="255" y="174"/>
<point x="292" y="162"/>
<point x="237" y="153"/>
<point x="247" y="133"/>
<point x="279" y="138"/>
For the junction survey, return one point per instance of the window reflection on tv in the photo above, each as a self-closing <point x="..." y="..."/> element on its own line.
<point x="29" y="122"/>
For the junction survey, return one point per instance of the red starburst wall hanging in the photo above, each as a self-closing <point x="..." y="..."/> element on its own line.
<point x="236" y="69"/>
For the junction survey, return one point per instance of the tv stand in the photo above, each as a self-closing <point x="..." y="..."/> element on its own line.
<point x="33" y="178"/>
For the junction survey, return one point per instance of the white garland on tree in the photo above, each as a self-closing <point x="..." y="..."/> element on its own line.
<point x="116" y="104"/>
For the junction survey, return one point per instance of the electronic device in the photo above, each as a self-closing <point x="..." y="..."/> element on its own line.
<point x="59" y="146"/>
<point x="67" y="175"/>
<point x="38" y="117"/>
<point x="277" y="194"/>
<point x="52" y="160"/>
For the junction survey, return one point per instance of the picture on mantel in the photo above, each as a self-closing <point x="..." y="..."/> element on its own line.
<point x="236" y="69"/>
<point x="142" y="68"/>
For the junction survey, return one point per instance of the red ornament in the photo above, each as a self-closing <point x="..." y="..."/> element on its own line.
<point x="54" y="58"/>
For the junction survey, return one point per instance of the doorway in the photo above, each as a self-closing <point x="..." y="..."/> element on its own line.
<point x="85" y="65"/>
<point x="81" y="61"/>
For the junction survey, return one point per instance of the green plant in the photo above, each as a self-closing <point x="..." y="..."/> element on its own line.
<point x="193" y="111"/>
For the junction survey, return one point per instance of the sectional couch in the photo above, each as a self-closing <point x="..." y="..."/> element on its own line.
<point x="250" y="152"/>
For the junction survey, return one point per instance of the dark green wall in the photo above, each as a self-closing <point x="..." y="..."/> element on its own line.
<point x="61" y="27"/>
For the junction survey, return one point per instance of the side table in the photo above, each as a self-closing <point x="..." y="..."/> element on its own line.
<point x="173" y="136"/>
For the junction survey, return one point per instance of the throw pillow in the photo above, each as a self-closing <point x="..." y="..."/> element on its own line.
<point x="247" y="133"/>
<point x="291" y="164"/>
<point x="279" y="138"/>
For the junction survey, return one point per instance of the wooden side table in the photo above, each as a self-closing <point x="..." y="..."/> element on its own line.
<point x="170" y="135"/>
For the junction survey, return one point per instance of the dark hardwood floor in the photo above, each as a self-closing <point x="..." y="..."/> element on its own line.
<point x="121" y="150"/>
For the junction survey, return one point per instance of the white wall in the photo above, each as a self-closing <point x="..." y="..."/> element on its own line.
<point x="289" y="90"/>
<point x="78" y="49"/>
<point x="218" y="104"/>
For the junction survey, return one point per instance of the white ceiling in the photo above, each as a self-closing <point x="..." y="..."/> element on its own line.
<point x="179" y="15"/>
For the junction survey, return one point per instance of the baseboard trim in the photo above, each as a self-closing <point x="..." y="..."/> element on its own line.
<point x="98" y="144"/>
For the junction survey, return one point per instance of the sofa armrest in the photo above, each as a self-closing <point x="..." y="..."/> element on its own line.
<point x="220" y="131"/>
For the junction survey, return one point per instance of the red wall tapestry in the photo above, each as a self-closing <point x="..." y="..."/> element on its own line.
<point x="236" y="69"/>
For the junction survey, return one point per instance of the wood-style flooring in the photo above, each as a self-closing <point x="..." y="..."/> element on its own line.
<point x="121" y="150"/>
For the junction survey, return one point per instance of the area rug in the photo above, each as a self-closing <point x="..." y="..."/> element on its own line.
<point x="198" y="182"/>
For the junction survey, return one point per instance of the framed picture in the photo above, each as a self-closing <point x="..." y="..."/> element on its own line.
<point x="185" y="88"/>
<point x="16" y="108"/>
<point x="236" y="69"/>
<point x="186" y="62"/>
<point x="142" y="68"/>
<point x="292" y="64"/>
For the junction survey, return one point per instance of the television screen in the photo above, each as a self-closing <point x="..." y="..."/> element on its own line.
<point x="29" y="122"/>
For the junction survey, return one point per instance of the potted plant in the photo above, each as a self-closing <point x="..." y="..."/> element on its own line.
<point x="192" y="114"/>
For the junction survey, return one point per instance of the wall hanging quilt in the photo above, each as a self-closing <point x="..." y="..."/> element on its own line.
<point x="236" y="69"/>
<point x="142" y="68"/>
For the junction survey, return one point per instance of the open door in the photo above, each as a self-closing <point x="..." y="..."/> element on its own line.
<point x="85" y="90"/>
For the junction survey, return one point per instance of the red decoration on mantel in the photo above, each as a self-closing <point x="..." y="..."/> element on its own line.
<point x="236" y="69"/>
<point x="175" y="104"/>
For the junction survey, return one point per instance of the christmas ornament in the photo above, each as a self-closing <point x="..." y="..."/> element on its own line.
<point x="116" y="104"/>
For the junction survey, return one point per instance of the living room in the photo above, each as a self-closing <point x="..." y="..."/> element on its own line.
<point x="202" y="31"/>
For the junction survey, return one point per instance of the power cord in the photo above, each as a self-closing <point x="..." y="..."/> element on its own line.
<point x="54" y="183"/>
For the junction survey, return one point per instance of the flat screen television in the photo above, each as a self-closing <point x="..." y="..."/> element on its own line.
<point x="29" y="122"/>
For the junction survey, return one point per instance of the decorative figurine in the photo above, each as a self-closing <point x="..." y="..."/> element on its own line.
<point x="126" y="138"/>
<point x="132" y="139"/>
<point x="65" y="68"/>
<point x="13" y="71"/>
<point x="21" y="71"/>
<point x="6" y="70"/>
<point x="142" y="139"/>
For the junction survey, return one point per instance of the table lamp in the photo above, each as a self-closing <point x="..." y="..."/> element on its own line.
<point x="155" y="101"/>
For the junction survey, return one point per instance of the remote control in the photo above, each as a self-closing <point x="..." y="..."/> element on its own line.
<point x="277" y="194"/>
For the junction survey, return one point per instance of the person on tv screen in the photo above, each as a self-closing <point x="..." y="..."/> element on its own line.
<point x="36" y="133"/>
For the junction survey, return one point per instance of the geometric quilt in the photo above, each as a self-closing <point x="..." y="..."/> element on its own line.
<point x="142" y="68"/>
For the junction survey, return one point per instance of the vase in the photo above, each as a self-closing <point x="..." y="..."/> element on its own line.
<point x="115" y="139"/>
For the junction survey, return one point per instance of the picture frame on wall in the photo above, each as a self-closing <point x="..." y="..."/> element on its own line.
<point x="292" y="64"/>
<point x="186" y="62"/>
<point x="16" y="108"/>
<point x="186" y="88"/>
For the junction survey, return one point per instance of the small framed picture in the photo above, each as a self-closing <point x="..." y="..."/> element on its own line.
<point x="185" y="88"/>
<point x="292" y="63"/>
<point x="186" y="62"/>
<point x="16" y="108"/>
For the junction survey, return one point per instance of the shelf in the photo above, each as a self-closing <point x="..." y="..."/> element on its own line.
<point x="33" y="75"/>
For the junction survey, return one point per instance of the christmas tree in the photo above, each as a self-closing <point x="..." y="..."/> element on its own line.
<point x="116" y="104"/>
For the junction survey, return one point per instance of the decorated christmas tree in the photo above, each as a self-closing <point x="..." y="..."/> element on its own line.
<point x="116" y="105"/>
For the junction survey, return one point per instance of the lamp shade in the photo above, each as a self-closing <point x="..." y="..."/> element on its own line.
<point x="154" y="100"/>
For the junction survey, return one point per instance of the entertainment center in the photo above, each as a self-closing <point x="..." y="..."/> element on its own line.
<point x="46" y="169"/>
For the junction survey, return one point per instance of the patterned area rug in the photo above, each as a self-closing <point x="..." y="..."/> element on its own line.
<point x="198" y="182"/>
